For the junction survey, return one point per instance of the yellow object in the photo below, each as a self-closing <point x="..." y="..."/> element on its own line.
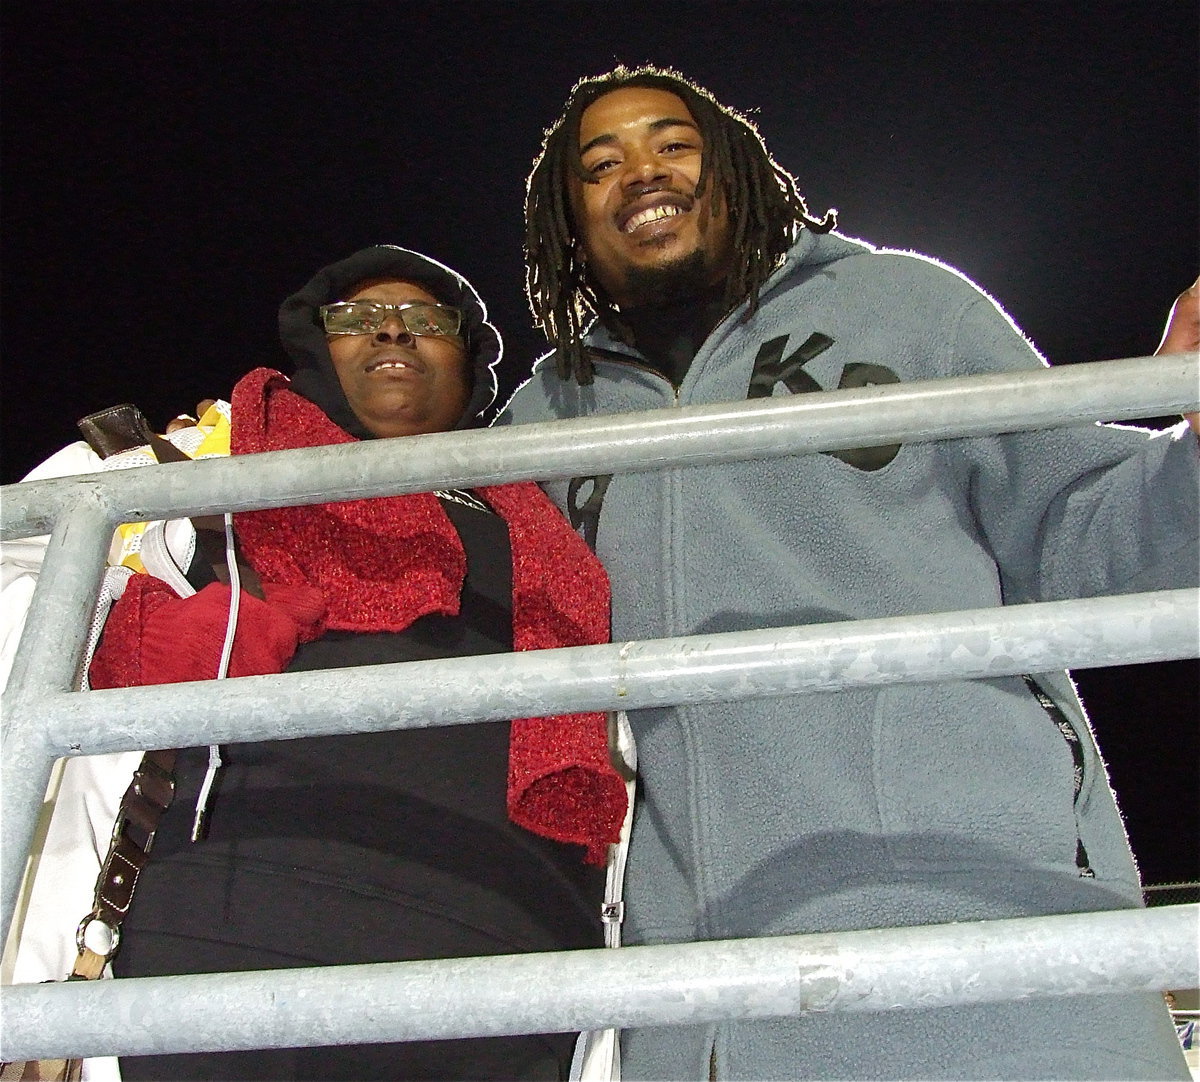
<point x="208" y="439"/>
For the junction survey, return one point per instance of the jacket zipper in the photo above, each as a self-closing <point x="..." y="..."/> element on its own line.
<point x="1075" y="743"/>
<point x="624" y="359"/>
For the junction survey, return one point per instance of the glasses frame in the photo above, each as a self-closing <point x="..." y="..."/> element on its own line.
<point x="398" y="310"/>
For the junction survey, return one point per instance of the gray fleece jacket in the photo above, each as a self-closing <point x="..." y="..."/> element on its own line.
<point x="907" y="804"/>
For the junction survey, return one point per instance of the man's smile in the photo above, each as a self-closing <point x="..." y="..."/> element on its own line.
<point x="652" y="207"/>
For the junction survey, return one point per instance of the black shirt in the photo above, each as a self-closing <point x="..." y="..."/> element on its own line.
<point x="670" y="335"/>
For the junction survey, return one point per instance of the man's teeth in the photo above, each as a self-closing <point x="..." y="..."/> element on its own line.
<point x="389" y="364"/>
<point x="652" y="214"/>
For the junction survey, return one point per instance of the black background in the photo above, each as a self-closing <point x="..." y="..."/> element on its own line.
<point x="172" y="171"/>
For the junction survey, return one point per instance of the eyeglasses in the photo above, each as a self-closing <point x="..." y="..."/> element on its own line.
<point x="366" y="317"/>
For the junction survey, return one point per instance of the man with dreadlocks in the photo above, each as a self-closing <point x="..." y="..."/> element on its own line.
<point x="671" y="261"/>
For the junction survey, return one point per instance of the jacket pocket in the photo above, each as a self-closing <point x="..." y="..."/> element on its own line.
<point x="969" y="775"/>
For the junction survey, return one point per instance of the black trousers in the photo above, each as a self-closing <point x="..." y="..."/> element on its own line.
<point x="536" y="1058"/>
<point x="260" y="918"/>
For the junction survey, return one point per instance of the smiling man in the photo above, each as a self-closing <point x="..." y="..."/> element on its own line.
<point x="648" y="227"/>
<point x="672" y="261"/>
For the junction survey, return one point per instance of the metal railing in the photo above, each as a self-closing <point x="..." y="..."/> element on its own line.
<point x="44" y="719"/>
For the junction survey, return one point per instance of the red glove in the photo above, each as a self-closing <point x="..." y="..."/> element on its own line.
<point x="154" y="636"/>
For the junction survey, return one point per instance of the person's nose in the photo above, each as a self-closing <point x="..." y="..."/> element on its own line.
<point x="642" y="166"/>
<point x="392" y="329"/>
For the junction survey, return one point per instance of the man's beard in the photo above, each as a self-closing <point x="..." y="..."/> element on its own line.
<point x="686" y="279"/>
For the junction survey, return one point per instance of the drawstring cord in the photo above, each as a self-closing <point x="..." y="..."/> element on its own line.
<point x="214" y="750"/>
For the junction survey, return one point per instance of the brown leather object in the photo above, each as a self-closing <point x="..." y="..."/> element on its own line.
<point x="119" y="428"/>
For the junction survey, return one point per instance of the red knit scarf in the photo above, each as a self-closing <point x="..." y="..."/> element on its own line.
<point x="383" y="563"/>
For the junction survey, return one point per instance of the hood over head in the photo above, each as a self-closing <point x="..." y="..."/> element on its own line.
<point x="303" y="336"/>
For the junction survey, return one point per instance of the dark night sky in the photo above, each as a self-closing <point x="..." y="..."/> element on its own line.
<point x="172" y="171"/>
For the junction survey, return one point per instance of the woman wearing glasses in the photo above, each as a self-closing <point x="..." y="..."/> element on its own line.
<point x="425" y="843"/>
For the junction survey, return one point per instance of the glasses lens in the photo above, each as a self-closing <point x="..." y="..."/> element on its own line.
<point x="431" y="318"/>
<point x="352" y="317"/>
<point x="366" y="317"/>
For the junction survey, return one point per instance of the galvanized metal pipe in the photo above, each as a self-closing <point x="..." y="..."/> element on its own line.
<point x="47" y="660"/>
<point x="911" y="412"/>
<point x="696" y="435"/>
<point x="52" y="643"/>
<point x="974" y="643"/>
<point x="692" y="983"/>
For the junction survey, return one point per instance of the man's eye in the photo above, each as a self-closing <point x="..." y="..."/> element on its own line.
<point x="601" y="166"/>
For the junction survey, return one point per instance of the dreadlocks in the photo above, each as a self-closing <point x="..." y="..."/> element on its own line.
<point x="765" y="208"/>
